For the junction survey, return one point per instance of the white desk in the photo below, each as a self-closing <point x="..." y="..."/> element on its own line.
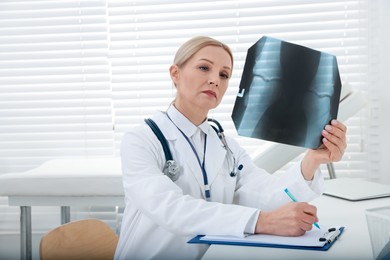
<point x="354" y="243"/>
<point x="63" y="183"/>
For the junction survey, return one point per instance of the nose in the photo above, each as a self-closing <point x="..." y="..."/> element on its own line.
<point x="213" y="82"/>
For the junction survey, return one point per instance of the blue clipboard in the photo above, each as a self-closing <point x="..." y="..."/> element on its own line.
<point x="198" y="240"/>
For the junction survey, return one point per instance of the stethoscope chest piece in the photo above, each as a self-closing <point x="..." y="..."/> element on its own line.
<point x="171" y="169"/>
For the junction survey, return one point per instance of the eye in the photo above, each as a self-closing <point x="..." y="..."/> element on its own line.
<point x="224" y="76"/>
<point x="204" y="68"/>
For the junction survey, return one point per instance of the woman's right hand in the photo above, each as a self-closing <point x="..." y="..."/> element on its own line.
<point x="292" y="219"/>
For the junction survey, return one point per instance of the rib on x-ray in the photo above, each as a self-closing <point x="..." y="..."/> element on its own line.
<point x="287" y="94"/>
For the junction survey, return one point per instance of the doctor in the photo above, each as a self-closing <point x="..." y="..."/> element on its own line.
<point x="211" y="195"/>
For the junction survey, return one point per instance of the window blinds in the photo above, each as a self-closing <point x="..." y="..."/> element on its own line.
<point x="55" y="90"/>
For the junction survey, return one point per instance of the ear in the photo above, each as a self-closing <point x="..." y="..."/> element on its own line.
<point x="174" y="72"/>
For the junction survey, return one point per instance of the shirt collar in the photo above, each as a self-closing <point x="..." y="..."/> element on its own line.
<point x="204" y="126"/>
<point x="185" y="125"/>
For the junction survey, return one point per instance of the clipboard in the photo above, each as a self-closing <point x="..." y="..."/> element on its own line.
<point x="320" y="240"/>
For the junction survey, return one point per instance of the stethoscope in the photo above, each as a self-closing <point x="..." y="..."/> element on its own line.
<point x="220" y="132"/>
<point x="172" y="170"/>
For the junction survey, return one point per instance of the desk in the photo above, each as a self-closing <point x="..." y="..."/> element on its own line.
<point x="353" y="244"/>
<point x="63" y="183"/>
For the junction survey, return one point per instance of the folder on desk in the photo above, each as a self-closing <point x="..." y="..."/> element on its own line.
<point x="356" y="189"/>
<point x="315" y="239"/>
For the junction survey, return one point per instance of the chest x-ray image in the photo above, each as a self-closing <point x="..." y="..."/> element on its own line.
<point x="287" y="93"/>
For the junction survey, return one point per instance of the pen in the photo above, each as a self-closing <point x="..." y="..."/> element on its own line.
<point x="295" y="200"/>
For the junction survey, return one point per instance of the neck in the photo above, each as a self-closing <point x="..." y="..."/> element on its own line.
<point x="195" y="115"/>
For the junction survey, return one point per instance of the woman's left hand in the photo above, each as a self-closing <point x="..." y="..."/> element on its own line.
<point x="334" y="143"/>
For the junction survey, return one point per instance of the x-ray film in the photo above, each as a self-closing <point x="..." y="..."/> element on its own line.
<point x="287" y="93"/>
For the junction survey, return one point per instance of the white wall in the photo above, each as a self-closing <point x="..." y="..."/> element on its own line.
<point x="384" y="90"/>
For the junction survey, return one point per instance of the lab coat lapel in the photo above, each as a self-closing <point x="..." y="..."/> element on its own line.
<point x="215" y="155"/>
<point x="191" y="163"/>
<point x="215" y="152"/>
<point x="171" y="133"/>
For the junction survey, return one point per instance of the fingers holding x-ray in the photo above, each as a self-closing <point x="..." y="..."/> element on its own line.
<point x="334" y="139"/>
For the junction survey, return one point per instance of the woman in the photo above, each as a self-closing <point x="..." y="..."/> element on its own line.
<point x="162" y="214"/>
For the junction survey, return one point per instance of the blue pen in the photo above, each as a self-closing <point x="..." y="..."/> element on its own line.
<point x="295" y="200"/>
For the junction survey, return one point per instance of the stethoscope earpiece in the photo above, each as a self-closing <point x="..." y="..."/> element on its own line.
<point x="234" y="173"/>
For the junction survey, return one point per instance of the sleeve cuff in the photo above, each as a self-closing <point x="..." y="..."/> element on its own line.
<point x="317" y="183"/>
<point x="250" y="227"/>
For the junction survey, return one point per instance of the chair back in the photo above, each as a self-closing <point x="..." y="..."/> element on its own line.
<point x="81" y="239"/>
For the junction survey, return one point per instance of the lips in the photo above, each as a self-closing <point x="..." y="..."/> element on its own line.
<point x="210" y="93"/>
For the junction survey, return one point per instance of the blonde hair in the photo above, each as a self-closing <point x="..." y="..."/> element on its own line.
<point x="193" y="45"/>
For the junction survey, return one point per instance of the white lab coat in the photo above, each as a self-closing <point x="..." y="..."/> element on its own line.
<point x="162" y="215"/>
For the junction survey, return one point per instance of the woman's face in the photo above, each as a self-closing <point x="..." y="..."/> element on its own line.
<point x="194" y="90"/>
